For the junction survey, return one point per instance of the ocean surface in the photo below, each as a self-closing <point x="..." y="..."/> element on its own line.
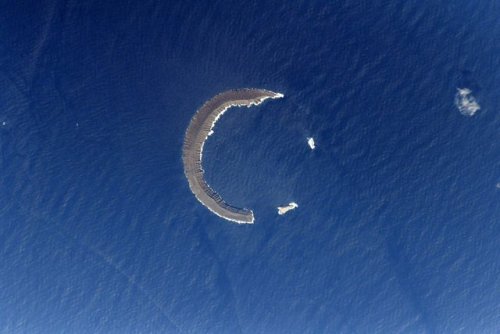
<point x="398" y="224"/>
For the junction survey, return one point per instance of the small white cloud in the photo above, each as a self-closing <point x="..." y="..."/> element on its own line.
<point x="465" y="102"/>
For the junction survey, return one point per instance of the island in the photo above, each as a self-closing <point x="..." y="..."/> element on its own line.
<point x="310" y="142"/>
<point x="284" y="209"/>
<point x="199" y="129"/>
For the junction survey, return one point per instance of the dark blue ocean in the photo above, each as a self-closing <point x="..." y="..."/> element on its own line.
<point x="398" y="224"/>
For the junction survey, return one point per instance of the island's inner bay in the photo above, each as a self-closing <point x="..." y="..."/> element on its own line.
<point x="200" y="127"/>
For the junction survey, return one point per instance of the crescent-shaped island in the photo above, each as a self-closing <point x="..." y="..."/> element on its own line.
<point x="199" y="129"/>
